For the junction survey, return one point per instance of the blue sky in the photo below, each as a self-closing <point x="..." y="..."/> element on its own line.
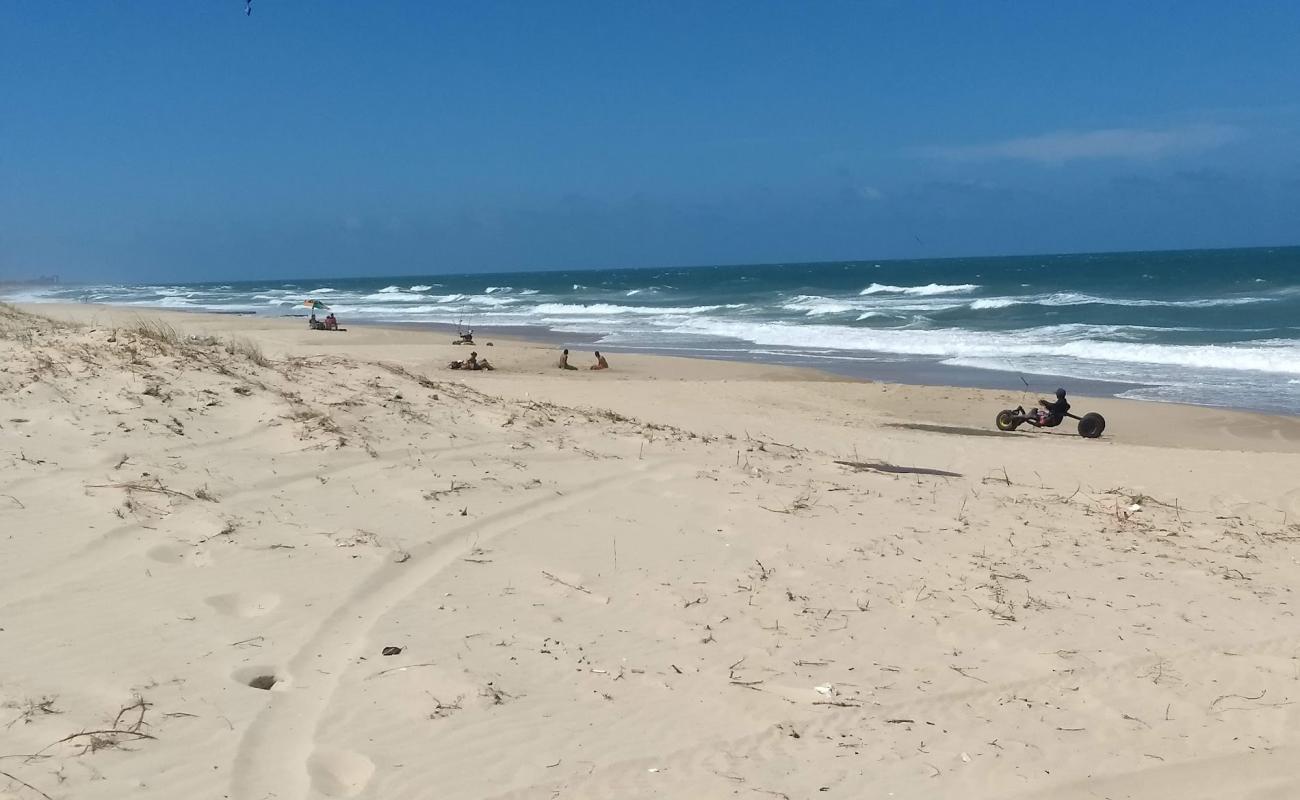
<point x="185" y="140"/>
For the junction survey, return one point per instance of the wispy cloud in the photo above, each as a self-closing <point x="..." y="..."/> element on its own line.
<point x="1137" y="144"/>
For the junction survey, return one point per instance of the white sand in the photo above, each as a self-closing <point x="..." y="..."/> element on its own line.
<point x="651" y="582"/>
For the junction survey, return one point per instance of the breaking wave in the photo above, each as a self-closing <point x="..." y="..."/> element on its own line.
<point x="1070" y="341"/>
<point x="922" y="291"/>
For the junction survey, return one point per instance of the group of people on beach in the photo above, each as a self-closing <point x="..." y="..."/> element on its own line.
<point x="473" y="363"/>
<point x="601" y="363"/>
<point x="330" y="323"/>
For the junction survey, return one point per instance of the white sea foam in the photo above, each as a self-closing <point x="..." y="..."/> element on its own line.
<point x="420" y="288"/>
<point x="386" y="296"/>
<point x="390" y="289"/>
<point x="494" y="289"/>
<point x="1081" y="299"/>
<point x="608" y="309"/>
<point x="994" y="302"/>
<point x="323" y="290"/>
<point x="923" y="291"/>
<point x="433" y="312"/>
<point x="528" y="291"/>
<point x="815" y="305"/>
<point x="1275" y="356"/>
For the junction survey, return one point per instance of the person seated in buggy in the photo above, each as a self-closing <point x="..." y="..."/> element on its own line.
<point x="1052" y="413"/>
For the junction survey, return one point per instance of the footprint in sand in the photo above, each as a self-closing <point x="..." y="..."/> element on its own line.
<point x="179" y="554"/>
<point x="339" y="773"/>
<point x="262" y="676"/>
<point x="244" y="605"/>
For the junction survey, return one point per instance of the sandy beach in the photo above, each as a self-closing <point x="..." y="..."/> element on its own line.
<point x="242" y="559"/>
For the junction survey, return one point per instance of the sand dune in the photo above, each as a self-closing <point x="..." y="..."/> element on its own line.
<point x="654" y="582"/>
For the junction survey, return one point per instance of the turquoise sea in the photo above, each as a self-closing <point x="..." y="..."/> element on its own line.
<point x="1218" y="327"/>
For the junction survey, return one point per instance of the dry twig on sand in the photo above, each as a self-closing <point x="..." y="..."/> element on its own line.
<point x="803" y="502"/>
<point x="111" y="737"/>
<point x="562" y="582"/>
<point x="24" y="783"/>
<point x="140" y="486"/>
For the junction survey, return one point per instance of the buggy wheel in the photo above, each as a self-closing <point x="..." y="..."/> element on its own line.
<point x="1091" y="425"/>
<point x="1007" y="420"/>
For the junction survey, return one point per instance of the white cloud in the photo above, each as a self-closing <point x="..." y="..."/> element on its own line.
<point x="1136" y="144"/>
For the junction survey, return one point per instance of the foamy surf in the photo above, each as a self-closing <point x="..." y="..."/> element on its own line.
<point x="922" y="291"/>
<point x="1222" y="326"/>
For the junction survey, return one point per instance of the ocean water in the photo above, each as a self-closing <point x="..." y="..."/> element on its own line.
<point x="1215" y="327"/>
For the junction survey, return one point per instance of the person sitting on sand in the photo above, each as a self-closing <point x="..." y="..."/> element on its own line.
<point x="474" y="362"/>
<point x="564" y="361"/>
<point x="331" y="323"/>
<point x="601" y="363"/>
<point x="312" y="323"/>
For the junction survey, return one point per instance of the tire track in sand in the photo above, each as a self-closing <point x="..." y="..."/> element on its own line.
<point x="277" y="757"/>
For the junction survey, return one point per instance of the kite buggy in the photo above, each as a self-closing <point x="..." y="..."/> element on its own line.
<point x="1049" y="415"/>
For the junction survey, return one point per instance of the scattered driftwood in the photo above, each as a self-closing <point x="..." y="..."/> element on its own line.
<point x="763" y="444"/>
<point x="110" y="737"/>
<point x="884" y="466"/>
<point x="141" y="486"/>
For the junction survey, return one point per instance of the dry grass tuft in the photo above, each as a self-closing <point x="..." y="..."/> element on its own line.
<point x="205" y="494"/>
<point x="29" y="709"/>
<point x="23" y="327"/>
<point x="156" y="331"/>
<point x="249" y="350"/>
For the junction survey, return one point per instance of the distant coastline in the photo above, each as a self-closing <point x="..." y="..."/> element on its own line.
<point x="23" y="283"/>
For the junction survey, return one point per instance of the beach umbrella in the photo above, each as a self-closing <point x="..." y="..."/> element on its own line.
<point x="315" y="305"/>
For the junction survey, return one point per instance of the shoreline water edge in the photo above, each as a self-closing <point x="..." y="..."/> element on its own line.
<point x="1210" y="328"/>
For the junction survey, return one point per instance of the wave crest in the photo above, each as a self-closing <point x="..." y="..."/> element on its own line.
<point x="920" y="291"/>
